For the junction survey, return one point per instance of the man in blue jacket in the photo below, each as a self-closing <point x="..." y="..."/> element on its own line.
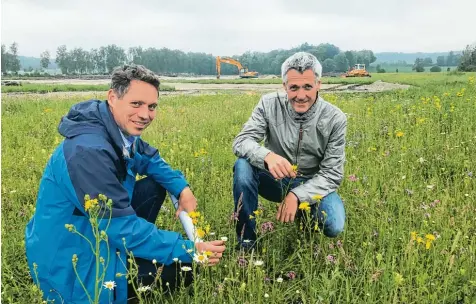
<point x="102" y="153"/>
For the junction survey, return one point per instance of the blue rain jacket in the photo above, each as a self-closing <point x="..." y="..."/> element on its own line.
<point x="92" y="160"/>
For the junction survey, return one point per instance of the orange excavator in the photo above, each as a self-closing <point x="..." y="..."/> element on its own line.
<point x="243" y="72"/>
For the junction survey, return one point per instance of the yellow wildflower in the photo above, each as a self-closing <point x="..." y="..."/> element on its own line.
<point x="208" y="253"/>
<point x="91" y="203"/>
<point x="257" y="212"/>
<point x="317" y="197"/>
<point x="413" y="235"/>
<point x="419" y="240"/>
<point x="430" y="237"/>
<point x="194" y="214"/>
<point x="304" y="206"/>
<point x="200" y="233"/>
<point x="294" y="167"/>
<point x="399" y="134"/>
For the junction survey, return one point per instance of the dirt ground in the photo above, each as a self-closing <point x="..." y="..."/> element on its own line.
<point x="209" y="88"/>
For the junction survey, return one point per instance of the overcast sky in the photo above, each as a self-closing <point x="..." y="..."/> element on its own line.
<point x="222" y="27"/>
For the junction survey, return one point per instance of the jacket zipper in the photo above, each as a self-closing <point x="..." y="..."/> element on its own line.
<point x="299" y="143"/>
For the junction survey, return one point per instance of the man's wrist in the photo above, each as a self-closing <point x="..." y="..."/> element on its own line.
<point x="297" y="198"/>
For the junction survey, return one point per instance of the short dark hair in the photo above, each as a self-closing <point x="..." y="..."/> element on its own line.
<point x="123" y="75"/>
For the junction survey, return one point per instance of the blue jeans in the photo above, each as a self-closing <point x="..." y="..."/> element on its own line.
<point x="147" y="199"/>
<point x="249" y="181"/>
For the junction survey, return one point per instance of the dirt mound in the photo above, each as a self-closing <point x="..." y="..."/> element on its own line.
<point x="377" y="86"/>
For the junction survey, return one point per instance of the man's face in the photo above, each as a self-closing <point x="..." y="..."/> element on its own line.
<point x="136" y="109"/>
<point x="301" y="89"/>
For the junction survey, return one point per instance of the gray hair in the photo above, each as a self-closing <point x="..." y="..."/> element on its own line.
<point x="301" y="62"/>
<point x="123" y="75"/>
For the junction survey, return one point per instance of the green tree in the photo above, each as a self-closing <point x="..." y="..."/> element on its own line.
<point x="440" y="60"/>
<point x="115" y="56"/>
<point x="13" y="63"/>
<point x="62" y="59"/>
<point x="329" y="65"/>
<point x="341" y="62"/>
<point x="451" y="59"/>
<point x="435" y="68"/>
<point x="427" y="61"/>
<point x="45" y="59"/>
<point x="5" y="59"/>
<point x="468" y="60"/>
<point x="350" y="55"/>
<point x="419" y="65"/>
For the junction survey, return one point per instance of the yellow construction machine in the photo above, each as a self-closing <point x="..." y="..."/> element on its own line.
<point x="357" y="71"/>
<point x="243" y="72"/>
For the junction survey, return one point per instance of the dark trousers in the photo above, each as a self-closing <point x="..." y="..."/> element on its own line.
<point x="147" y="199"/>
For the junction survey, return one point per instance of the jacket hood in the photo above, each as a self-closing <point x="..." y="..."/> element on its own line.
<point x="90" y="117"/>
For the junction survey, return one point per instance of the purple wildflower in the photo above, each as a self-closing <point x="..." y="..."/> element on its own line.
<point x="267" y="226"/>
<point x="242" y="262"/>
<point x="291" y="275"/>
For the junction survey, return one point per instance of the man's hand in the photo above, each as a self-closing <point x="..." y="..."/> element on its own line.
<point x="287" y="209"/>
<point x="187" y="202"/>
<point x="215" y="247"/>
<point x="278" y="166"/>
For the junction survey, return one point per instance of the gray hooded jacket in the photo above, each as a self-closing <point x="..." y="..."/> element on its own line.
<point x="315" y="141"/>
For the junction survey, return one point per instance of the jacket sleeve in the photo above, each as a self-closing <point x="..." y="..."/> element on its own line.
<point x="150" y="162"/>
<point x="331" y="168"/>
<point x="92" y="171"/>
<point x="247" y="142"/>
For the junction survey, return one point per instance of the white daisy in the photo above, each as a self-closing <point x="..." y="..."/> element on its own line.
<point x="109" y="285"/>
<point x="143" y="288"/>
<point x="258" y="263"/>
<point x="200" y="258"/>
<point x="186" y="268"/>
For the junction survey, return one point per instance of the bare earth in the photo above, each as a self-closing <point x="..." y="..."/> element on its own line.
<point x="201" y="88"/>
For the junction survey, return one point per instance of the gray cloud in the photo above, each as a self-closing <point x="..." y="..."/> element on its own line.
<point x="233" y="27"/>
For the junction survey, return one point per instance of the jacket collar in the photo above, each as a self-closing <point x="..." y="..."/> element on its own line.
<point x="302" y="118"/>
<point x="111" y="126"/>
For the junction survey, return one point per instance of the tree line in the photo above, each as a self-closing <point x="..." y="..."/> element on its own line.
<point x="166" y="61"/>
<point x="465" y="62"/>
<point x="102" y="60"/>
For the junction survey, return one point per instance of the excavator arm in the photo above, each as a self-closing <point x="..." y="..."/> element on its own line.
<point x="219" y="60"/>
<point x="243" y="72"/>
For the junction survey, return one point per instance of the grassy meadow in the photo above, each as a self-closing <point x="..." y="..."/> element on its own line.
<point x="409" y="192"/>
<point x="48" y="88"/>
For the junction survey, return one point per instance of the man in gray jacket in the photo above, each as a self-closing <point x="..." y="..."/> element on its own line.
<point x="303" y="156"/>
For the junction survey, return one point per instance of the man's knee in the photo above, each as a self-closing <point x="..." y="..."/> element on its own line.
<point x="149" y="186"/>
<point x="334" y="229"/>
<point x="333" y="216"/>
<point x="243" y="172"/>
